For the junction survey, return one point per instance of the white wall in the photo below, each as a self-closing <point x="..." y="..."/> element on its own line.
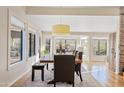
<point x="7" y="77"/>
<point x="112" y="54"/>
<point x="3" y="46"/>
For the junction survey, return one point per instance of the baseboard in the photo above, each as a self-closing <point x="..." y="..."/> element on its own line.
<point x="19" y="81"/>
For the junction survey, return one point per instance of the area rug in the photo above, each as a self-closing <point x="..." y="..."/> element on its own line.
<point x="88" y="80"/>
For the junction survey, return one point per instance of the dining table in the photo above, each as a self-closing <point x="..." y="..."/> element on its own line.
<point x="47" y="60"/>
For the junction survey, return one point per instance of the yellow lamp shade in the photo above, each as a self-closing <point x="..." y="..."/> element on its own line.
<point x="61" y="29"/>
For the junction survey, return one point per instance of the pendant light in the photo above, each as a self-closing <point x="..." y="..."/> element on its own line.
<point x="61" y="29"/>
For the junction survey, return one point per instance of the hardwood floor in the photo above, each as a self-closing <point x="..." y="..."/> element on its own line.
<point x="107" y="78"/>
<point x="95" y="74"/>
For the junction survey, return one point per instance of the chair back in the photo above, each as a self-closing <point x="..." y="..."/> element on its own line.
<point x="80" y="55"/>
<point x="78" y="65"/>
<point x="64" y="67"/>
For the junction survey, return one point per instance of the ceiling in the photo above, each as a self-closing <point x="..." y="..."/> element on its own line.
<point x="74" y="10"/>
<point x="80" y="19"/>
<point x="77" y="23"/>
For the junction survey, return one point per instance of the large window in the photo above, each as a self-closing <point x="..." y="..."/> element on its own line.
<point x="84" y="45"/>
<point x="16" y="46"/>
<point x="65" y="46"/>
<point x="15" y="40"/>
<point x="47" y="48"/>
<point x="100" y="47"/>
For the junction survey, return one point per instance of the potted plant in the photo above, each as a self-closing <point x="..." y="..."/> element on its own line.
<point x="44" y="53"/>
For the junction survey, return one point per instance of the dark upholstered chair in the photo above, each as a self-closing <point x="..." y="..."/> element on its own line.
<point x="78" y="65"/>
<point x="64" y="68"/>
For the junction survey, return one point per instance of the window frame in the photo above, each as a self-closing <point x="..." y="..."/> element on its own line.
<point x="60" y="41"/>
<point x="20" y="26"/>
<point x="32" y="45"/>
<point x="99" y="48"/>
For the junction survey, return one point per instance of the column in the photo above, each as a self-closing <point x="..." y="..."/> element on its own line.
<point x="120" y="43"/>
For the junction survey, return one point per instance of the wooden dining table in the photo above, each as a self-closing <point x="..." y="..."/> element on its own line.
<point x="47" y="61"/>
<point x="51" y="60"/>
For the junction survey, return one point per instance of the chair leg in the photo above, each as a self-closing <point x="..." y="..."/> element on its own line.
<point x="76" y="69"/>
<point x="73" y="84"/>
<point x="54" y="84"/>
<point x="77" y="72"/>
<point x="80" y="76"/>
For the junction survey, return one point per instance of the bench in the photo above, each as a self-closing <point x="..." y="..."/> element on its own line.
<point x="38" y="66"/>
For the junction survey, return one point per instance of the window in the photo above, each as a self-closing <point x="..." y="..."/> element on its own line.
<point x="65" y="46"/>
<point x="39" y="46"/>
<point x="70" y="45"/>
<point x="47" y="48"/>
<point x="85" y="46"/>
<point x="100" y="47"/>
<point x="31" y="44"/>
<point x="16" y="46"/>
<point x="15" y="40"/>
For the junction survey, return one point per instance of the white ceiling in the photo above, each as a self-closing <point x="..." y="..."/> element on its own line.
<point x="77" y="23"/>
<point x="74" y="10"/>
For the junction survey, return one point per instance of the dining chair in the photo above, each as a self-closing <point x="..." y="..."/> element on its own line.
<point x="64" y="68"/>
<point x="78" y="65"/>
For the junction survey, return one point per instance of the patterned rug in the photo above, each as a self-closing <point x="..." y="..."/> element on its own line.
<point x="88" y="80"/>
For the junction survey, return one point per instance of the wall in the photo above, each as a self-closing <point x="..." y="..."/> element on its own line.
<point x="3" y="46"/>
<point x="112" y="52"/>
<point x="8" y="77"/>
<point x="121" y="41"/>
